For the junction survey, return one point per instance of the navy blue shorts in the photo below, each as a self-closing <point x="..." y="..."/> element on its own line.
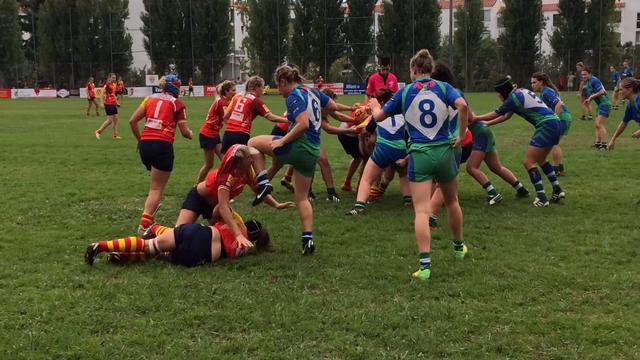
<point x="193" y="245"/>
<point x="276" y="131"/>
<point x="157" y="154"/>
<point x="111" y="110"/>
<point x="463" y="153"/>
<point x="198" y="204"/>
<point x="209" y="142"/>
<point x="384" y="155"/>
<point x="350" y="145"/>
<point x="231" y="138"/>
<point x="547" y="134"/>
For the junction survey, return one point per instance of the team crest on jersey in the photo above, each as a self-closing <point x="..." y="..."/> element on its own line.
<point x="427" y="113"/>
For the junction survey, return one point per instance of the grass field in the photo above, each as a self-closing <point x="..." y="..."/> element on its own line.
<point x="561" y="282"/>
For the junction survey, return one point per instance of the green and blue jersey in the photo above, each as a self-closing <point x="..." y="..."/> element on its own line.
<point x="551" y="99"/>
<point x="529" y="106"/>
<point x="391" y="132"/>
<point x="632" y="112"/>
<point x="594" y="86"/>
<point x="425" y="105"/>
<point x="303" y="99"/>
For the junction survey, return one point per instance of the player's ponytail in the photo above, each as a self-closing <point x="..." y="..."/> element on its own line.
<point x="545" y="80"/>
<point x="254" y="82"/>
<point x="258" y="235"/>
<point x="631" y="83"/>
<point x="224" y="87"/>
<point x="422" y="61"/>
<point x="290" y="74"/>
<point x="441" y="72"/>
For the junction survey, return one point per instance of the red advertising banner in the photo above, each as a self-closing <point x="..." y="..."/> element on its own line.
<point x="210" y="90"/>
<point x="5" y="93"/>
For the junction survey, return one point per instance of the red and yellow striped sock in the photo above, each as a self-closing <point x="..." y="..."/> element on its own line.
<point x="146" y="220"/>
<point x="158" y="229"/>
<point x="127" y="244"/>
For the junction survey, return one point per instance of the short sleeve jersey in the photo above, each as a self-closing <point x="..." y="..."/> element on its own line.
<point x="90" y="90"/>
<point x="551" y="98"/>
<point x="244" y="109"/>
<point x="615" y="77"/>
<point x="376" y="82"/>
<point x="110" y="94"/>
<point x="234" y="184"/>
<point x="302" y="99"/>
<point x="163" y="112"/>
<point x="627" y="72"/>
<point x="594" y="86"/>
<point x="425" y="105"/>
<point x="213" y="123"/>
<point x="528" y="105"/>
<point x="632" y="112"/>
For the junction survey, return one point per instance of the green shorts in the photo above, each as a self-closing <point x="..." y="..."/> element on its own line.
<point x="483" y="139"/>
<point x="301" y="154"/>
<point x="565" y="117"/>
<point x="432" y="162"/>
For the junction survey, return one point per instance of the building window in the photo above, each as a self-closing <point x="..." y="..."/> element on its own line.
<point x="638" y="21"/>
<point x="637" y="37"/>
<point x="500" y="21"/>
<point x="556" y="20"/>
<point x="487" y="16"/>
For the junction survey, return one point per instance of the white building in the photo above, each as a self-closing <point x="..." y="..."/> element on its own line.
<point x="628" y="26"/>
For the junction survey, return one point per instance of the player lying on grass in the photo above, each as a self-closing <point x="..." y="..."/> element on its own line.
<point x="548" y="130"/>
<point x="220" y="186"/>
<point x="187" y="245"/>
<point x="629" y="89"/>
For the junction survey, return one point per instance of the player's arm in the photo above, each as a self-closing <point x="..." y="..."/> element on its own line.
<point x="619" y="130"/>
<point x="136" y="117"/>
<point x="275" y="118"/>
<point x="333" y="130"/>
<point x="301" y="125"/>
<point x="558" y="108"/>
<point x="271" y="201"/>
<point x="463" y="114"/>
<point x="227" y="216"/>
<point x="596" y="95"/>
<point x="342" y="107"/>
<point x="182" y="124"/>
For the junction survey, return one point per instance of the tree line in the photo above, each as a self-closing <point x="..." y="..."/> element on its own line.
<point x="65" y="41"/>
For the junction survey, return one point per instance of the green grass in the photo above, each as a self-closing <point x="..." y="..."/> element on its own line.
<point x="560" y="282"/>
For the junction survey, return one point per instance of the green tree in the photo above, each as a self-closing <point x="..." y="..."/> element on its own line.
<point x="468" y="39"/>
<point x="313" y="27"/>
<point x="10" y="42"/>
<point x="163" y="26"/>
<point x="405" y="28"/>
<point x="359" y="35"/>
<point x="569" y="38"/>
<point x="211" y="39"/>
<point x="266" y="43"/>
<point x="523" y="21"/>
<point x="602" y="36"/>
<point x="28" y="17"/>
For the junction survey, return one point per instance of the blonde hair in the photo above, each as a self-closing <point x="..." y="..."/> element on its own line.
<point x="422" y="61"/>
<point x="224" y="87"/>
<point x="290" y="74"/>
<point x="254" y="82"/>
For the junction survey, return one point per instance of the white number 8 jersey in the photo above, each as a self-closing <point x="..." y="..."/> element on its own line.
<point x="427" y="113"/>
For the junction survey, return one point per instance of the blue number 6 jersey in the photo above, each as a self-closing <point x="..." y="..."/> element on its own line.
<point x="425" y="106"/>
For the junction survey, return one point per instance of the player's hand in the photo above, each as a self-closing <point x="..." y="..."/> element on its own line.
<point x="243" y="242"/>
<point x="355" y="106"/>
<point x="374" y="105"/>
<point x="285" y="205"/>
<point x="456" y="142"/>
<point x="276" y="144"/>
<point x="636" y="134"/>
